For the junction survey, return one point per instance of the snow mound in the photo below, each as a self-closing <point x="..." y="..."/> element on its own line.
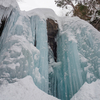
<point x="23" y="89"/>
<point x="44" y="13"/>
<point x="88" y="92"/>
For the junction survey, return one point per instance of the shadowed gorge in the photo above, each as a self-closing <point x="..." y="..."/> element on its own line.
<point x="52" y="30"/>
<point x="2" y="24"/>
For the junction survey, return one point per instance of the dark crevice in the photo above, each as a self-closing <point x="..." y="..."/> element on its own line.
<point x="52" y="30"/>
<point x="35" y="41"/>
<point x="2" y="24"/>
<point x="35" y="37"/>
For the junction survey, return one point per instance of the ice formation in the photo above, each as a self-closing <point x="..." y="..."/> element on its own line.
<point x="25" y="50"/>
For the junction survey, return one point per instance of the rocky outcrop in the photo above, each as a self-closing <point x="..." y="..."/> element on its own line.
<point x="52" y="30"/>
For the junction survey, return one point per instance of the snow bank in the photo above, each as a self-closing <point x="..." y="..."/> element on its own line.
<point x="88" y="92"/>
<point x="23" y="89"/>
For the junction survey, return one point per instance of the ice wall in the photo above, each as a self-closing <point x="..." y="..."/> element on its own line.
<point x="16" y="52"/>
<point x="70" y="67"/>
<point x="78" y="51"/>
<point x="18" y="55"/>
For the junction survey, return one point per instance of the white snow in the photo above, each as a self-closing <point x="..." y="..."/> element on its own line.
<point x="82" y="58"/>
<point x="13" y="65"/>
<point x="71" y="37"/>
<point x="23" y="42"/>
<point x="8" y="3"/>
<point x="23" y="89"/>
<point x="88" y="92"/>
<point x="44" y="13"/>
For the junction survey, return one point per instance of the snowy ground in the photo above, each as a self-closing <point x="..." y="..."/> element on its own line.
<point x="88" y="92"/>
<point x="23" y="89"/>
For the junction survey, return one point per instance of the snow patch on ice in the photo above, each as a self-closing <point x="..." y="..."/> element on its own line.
<point x="71" y="37"/>
<point x="82" y="58"/>
<point x="13" y="65"/>
<point x="37" y="75"/>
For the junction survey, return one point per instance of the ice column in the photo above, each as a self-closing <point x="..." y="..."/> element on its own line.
<point x="40" y="32"/>
<point x="70" y="67"/>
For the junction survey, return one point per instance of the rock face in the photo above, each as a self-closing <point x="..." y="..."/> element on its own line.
<point x="52" y="30"/>
<point x="96" y="23"/>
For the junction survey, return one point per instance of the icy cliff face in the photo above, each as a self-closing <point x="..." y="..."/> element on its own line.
<point x="26" y="48"/>
<point x="19" y="56"/>
<point x="79" y="56"/>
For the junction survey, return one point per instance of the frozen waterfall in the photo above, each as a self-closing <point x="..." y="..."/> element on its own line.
<point x="60" y="54"/>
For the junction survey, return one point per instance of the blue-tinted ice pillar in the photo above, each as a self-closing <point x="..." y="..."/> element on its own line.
<point x="40" y="33"/>
<point x="67" y="54"/>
